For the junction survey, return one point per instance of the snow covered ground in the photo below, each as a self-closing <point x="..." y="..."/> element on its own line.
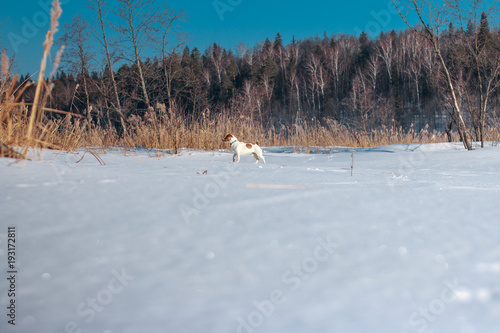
<point x="410" y="242"/>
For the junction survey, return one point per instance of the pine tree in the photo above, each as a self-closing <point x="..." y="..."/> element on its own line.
<point x="186" y="58"/>
<point x="484" y="35"/>
<point x="325" y="37"/>
<point x="451" y="30"/>
<point x="270" y="68"/>
<point x="278" y="43"/>
<point x="364" y="49"/>
<point x="471" y="29"/>
<point x="196" y="60"/>
<point x="266" y="48"/>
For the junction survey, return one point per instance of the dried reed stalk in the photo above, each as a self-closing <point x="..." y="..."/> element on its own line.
<point x="55" y="13"/>
<point x="4" y="67"/>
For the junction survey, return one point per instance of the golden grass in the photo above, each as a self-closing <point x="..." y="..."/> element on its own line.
<point x="160" y="128"/>
<point x="39" y="101"/>
<point x="24" y="125"/>
<point x="163" y="129"/>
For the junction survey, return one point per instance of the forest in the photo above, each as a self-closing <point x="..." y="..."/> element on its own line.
<point x="138" y="72"/>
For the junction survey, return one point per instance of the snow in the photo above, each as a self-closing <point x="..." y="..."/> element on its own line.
<point x="147" y="243"/>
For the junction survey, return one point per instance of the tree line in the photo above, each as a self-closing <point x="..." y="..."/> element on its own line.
<point x="395" y="79"/>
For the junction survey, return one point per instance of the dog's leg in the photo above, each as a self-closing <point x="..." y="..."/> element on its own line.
<point x="256" y="158"/>
<point x="234" y="157"/>
<point x="261" y="157"/>
<point x="238" y="158"/>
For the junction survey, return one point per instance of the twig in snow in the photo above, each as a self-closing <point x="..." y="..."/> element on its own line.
<point x="98" y="158"/>
<point x="352" y="163"/>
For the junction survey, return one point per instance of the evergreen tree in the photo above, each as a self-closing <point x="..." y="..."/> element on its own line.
<point x="451" y="30"/>
<point x="266" y="48"/>
<point x="270" y="68"/>
<point x="325" y="38"/>
<point x="186" y="57"/>
<point x="364" y="49"/>
<point x="278" y="43"/>
<point x="196" y="60"/>
<point x="471" y="29"/>
<point x="484" y="35"/>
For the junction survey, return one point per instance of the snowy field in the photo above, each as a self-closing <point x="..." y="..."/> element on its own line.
<point x="410" y="242"/>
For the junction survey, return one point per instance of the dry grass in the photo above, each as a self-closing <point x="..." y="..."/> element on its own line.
<point x="24" y="125"/>
<point x="163" y="129"/>
<point x="160" y="128"/>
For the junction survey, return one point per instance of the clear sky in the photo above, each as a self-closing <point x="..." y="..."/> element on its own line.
<point x="23" y="24"/>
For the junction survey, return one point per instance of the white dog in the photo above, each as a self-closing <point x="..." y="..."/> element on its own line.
<point x="241" y="148"/>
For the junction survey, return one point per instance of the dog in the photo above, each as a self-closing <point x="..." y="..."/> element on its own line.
<point x="241" y="148"/>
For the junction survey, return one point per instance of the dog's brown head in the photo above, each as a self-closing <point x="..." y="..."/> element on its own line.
<point x="228" y="138"/>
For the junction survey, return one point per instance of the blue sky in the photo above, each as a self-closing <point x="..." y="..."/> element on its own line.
<point x="23" y="24"/>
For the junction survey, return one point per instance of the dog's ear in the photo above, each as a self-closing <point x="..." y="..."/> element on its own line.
<point x="227" y="138"/>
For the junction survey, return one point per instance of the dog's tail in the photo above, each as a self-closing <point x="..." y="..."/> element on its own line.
<point x="257" y="143"/>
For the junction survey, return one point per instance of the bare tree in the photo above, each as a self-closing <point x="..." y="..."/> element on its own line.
<point x="78" y="53"/>
<point x="167" y="21"/>
<point x="368" y="110"/>
<point x="252" y="97"/>
<point x="433" y="16"/>
<point x="191" y="87"/>
<point x="386" y="53"/>
<point x="98" y="7"/>
<point x="485" y="57"/>
<point x="217" y="61"/>
<point x="136" y="20"/>
<point x="415" y="64"/>
<point x="373" y="67"/>
<point x="316" y="79"/>
<point x="358" y="100"/>
<point x="333" y="65"/>
<point x="248" y="95"/>
<point x="293" y="54"/>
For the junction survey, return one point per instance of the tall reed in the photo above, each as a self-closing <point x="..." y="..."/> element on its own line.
<point x="160" y="128"/>
<point x="23" y="124"/>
